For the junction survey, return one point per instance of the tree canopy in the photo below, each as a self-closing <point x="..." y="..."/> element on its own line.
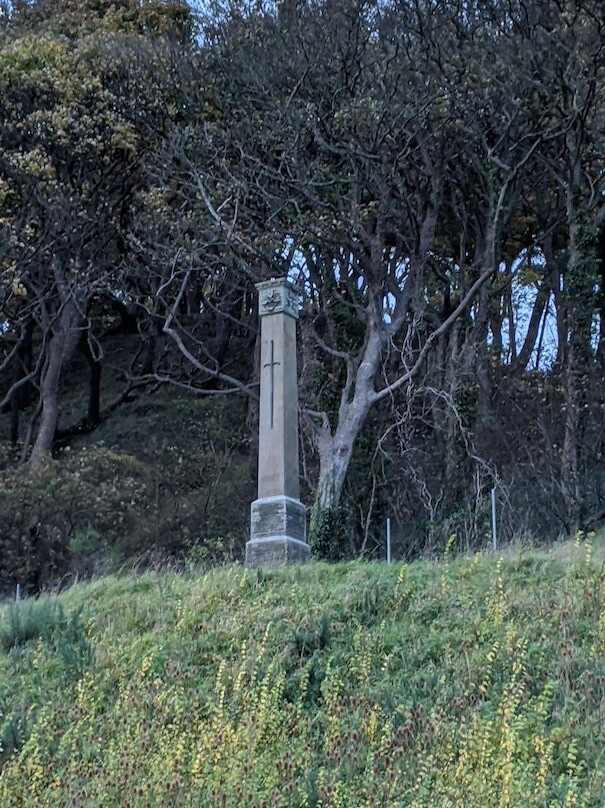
<point x="430" y="174"/>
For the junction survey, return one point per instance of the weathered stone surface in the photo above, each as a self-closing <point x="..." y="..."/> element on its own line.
<point x="278" y="472"/>
<point x="278" y="525"/>
<point x="276" y="552"/>
<point x="276" y="517"/>
<point x="277" y="296"/>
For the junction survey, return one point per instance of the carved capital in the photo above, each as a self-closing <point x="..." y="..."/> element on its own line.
<point x="277" y="296"/>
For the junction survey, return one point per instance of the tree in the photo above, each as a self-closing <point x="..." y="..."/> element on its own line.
<point x="416" y="167"/>
<point x="82" y="105"/>
<point x="360" y="139"/>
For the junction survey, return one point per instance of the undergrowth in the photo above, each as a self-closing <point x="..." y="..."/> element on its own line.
<point x="475" y="683"/>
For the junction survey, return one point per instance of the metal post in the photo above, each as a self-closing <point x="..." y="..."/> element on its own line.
<point x="18" y="593"/>
<point x="494" y="534"/>
<point x="388" y="539"/>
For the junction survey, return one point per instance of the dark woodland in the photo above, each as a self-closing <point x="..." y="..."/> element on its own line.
<point x="430" y="174"/>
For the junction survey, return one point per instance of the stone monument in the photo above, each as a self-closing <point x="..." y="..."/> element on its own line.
<point x="278" y="524"/>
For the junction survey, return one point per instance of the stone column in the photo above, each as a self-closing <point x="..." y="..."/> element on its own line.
<point x="278" y="524"/>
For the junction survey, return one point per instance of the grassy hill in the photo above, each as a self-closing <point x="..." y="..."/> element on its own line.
<point x="472" y="682"/>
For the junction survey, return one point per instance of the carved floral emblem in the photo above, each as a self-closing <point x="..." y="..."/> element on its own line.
<point x="272" y="301"/>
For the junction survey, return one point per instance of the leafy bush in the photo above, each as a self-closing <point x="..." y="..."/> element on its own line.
<point x="28" y="620"/>
<point x="13" y="734"/>
<point x="45" y="619"/>
<point x="41" y="514"/>
<point x="173" y="491"/>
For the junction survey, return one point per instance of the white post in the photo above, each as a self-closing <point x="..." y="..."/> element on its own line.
<point x="388" y="539"/>
<point x="494" y="534"/>
<point x="18" y="593"/>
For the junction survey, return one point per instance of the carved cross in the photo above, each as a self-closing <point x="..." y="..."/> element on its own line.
<point x="271" y="366"/>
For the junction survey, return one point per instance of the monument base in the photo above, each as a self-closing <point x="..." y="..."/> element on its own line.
<point x="277" y="532"/>
<point x="276" y="552"/>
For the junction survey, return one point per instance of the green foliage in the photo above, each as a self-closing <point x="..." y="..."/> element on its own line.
<point x="54" y="642"/>
<point x="13" y="734"/>
<point x="174" y="490"/>
<point x="308" y="640"/>
<point x="349" y="331"/>
<point x="46" y="619"/>
<point x="471" y="683"/>
<point x="28" y="620"/>
<point x="75" y="17"/>
<point x="62" y="508"/>
<point x="326" y="533"/>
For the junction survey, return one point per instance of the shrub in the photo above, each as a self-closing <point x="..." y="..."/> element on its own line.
<point x="326" y="534"/>
<point x="13" y="734"/>
<point x="48" y="520"/>
<point x="29" y="620"/>
<point x="46" y="619"/>
<point x="173" y="491"/>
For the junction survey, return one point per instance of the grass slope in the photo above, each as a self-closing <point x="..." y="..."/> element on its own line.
<point x="473" y="682"/>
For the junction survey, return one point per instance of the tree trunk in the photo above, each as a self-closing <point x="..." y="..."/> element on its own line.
<point x="569" y="458"/>
<point x="93" y="416"/>
<point x="537" y="316"/>
<point x="572" y="355"/>
<point x="16" y="396"/>
<point x="61" y="346"/>
<point x="479" y="348"/>
<point x="335" y="451"/>
<point x="154" y="346"/>
<point x="335" y="448"/>
<point x="22" y="365"/>
<point x="601" y="301"/>
<point x="450" y="426"/>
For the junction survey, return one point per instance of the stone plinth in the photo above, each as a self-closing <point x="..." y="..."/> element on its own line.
<point x="277" y="532"/>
